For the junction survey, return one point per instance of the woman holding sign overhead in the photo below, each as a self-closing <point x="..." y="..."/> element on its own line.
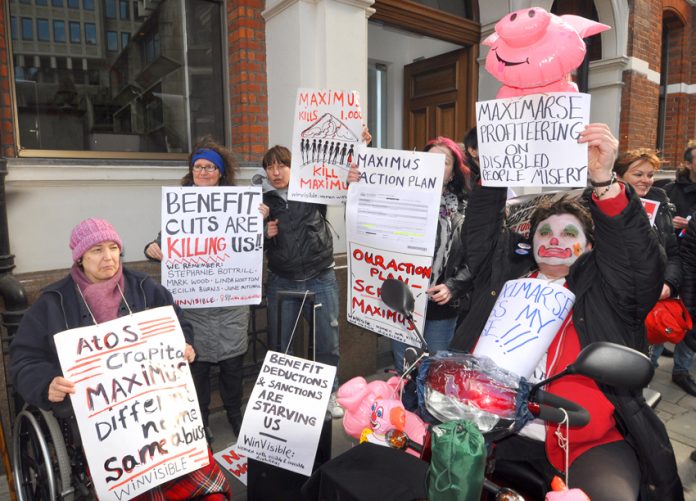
<point x="98" y="289"/>
<point x="221" y="332"/>
<point x="611" y="262"/>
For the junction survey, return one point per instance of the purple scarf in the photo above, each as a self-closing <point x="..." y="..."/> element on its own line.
<point x="103" y="298"/>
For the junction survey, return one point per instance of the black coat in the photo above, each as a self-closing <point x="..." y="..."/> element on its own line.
<point x="303" y="247"/>
<point x="33" y="357"/>
<point x="616" y="284"/>
<point x="682" y="193"/>
<point x="668" y="239"/>
<point x="688" y="255"/>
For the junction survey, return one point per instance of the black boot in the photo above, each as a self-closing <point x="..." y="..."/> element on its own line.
<point x="685" y="382"/>
<point x="235" y="421"/>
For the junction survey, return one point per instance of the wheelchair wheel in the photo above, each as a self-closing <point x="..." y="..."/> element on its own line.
<point x="41" y="462"/>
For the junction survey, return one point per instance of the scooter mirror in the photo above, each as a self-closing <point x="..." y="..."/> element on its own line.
<point x="398" y="296"/>
<point x="613" y="364"/>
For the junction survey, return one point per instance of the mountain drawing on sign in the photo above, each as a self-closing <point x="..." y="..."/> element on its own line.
<point x="328" y="141"/>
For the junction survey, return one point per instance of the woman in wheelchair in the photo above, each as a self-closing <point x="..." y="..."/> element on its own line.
<point x="98" y="289"/>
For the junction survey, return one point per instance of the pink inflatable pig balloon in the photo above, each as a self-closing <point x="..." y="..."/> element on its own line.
<point x="533" y="51"/>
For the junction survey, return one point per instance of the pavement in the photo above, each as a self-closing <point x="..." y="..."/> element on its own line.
<point x="676" y="409"/>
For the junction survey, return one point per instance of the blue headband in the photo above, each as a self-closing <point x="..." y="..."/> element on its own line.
<point x="210" y="155"/>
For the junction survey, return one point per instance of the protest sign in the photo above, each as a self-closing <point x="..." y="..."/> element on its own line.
<point x="212" y="243"/>
<point x="285" y="413"/>
<point x="134" y="401"/>
<point x="650" y="207"/>
<point x="391" y="222"/>
<point x="327" y="135"/>
<point x="525" y="318"/>
<point x="533" y="140"/>
<point x="233" y="461"/>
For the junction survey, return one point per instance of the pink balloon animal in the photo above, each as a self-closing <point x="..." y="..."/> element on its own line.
<point x="533" y="51"/>
<point x="375" y="407"/>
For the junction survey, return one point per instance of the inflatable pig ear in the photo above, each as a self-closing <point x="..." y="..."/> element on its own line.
<point x="534" y="51"/>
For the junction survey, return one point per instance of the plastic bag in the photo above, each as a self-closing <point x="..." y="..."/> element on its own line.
<point x="458" y="462"/>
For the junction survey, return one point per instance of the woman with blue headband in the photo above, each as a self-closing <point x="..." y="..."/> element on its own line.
<point x="220" y="334"/>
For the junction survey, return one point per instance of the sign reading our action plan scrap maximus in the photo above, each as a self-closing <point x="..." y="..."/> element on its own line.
<point x="212" y="243"/>
<point x="134" y="401"/>
<point x="533" y="140"/>
<point x="391" y="221"/>
<point x="326" y="137"/>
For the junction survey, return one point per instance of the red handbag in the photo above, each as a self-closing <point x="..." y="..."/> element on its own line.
<point x="668" y="322"/>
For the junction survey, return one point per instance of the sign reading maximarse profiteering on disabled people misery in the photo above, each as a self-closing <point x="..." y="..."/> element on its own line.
<point x="212" y="245"/>
<point x="533" y="140"/>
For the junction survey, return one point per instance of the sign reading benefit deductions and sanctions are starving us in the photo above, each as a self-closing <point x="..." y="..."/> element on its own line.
<point x="533" y="140"/>
<point x="134" y="401"/>
<point x="212" y="243"/>
<point x="391" y="220"/>
<point x="326" y="137"/>
<point x="285" y="414"/>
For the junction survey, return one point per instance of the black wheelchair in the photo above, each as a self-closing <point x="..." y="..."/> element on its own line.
<point x="48" y="461"/>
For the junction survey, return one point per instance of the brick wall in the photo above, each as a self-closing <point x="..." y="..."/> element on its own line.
<point x="7" y="142"/>
<point x="247" y="76"/>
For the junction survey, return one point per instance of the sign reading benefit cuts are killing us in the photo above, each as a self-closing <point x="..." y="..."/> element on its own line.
<point x="283" y="419"/>
<point x="533" y="140"/>
<point x="134" y="401"/>
<point x="212" y="245"/>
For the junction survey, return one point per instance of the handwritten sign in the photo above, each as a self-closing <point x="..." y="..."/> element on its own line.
<point x="212" y="242"/>
<point x="134" y="401"/>
<point x="326" y="137"/>
<point x="391" y="220"/>
<point x="532" y="140"/>
<point x="234" y="462"/>
<point x="650" y="207"/>
<point x="285" y="413"/>
<point x="525" y="318"/>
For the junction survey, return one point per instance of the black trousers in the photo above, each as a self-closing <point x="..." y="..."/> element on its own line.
<point x="230" y="384"/>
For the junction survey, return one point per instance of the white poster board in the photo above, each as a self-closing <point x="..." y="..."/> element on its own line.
<point x="327" y="135"/>
<point x="525" y="318"/>
<point x="134" y="401"/>
<point x="533" y="140"/>
<point x="285" y="414"/>
<point x="212" y="243"/>
<point x="650" y="207"/>
<point x="233" y="461"/>
<point x="391" y="222"/>
<point x="519" y="209"/>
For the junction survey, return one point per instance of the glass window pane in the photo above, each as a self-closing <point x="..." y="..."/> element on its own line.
<point x="14" y="27"/>
<point x="112" y="41"/>
<point x="57" y="3"/>
<point x="27" y="29"/>
<point x="74" y="4"/>
<point x="88" y="4"/>
<point x="25" y="2"/>
<point x="152" y="89"/>
<point x="42" y="30"/>
<point x="59" y="31"/>
<point x="41" y="2"/>
<point x="74" y="32"/>
<point x="90" y="34"/>
<point x="110" y="9"/>
<point x="123" y="9"/>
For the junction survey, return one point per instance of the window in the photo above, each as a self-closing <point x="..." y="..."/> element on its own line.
<point x="59" y="31"/>
<point x="73" y="4"/>
<point x="74" y="32"/>
<point x="90" y="34"/>
<point x="112" y="41"/>
<point x="57" y="3"/>
<point x="25" y="2"/>
<point x="42" y="34"/>
<point x="41" y="3"/>
<point x="123" y="9"/>
<point x="13" y="27"/>
<point x="110" y="9"/>
<point x="27" y="29"/>
<point x="377" y="103"/>
<point x="88" y="4"/>
<point x="139" y="96"/>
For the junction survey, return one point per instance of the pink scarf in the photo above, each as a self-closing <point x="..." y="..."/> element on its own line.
<point x="103" y="298"/>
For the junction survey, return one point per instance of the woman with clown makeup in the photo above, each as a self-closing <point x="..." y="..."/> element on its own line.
<point x="220" y="333"/>
<point x="611" y="261"/>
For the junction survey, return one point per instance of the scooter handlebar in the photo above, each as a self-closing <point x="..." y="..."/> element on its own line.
<point x="550" y="406"/>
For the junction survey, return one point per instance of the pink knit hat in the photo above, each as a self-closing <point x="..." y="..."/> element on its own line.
<point x="91" y="232"/>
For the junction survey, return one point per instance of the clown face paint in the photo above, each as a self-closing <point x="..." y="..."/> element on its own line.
<point x="559" y="240"/>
